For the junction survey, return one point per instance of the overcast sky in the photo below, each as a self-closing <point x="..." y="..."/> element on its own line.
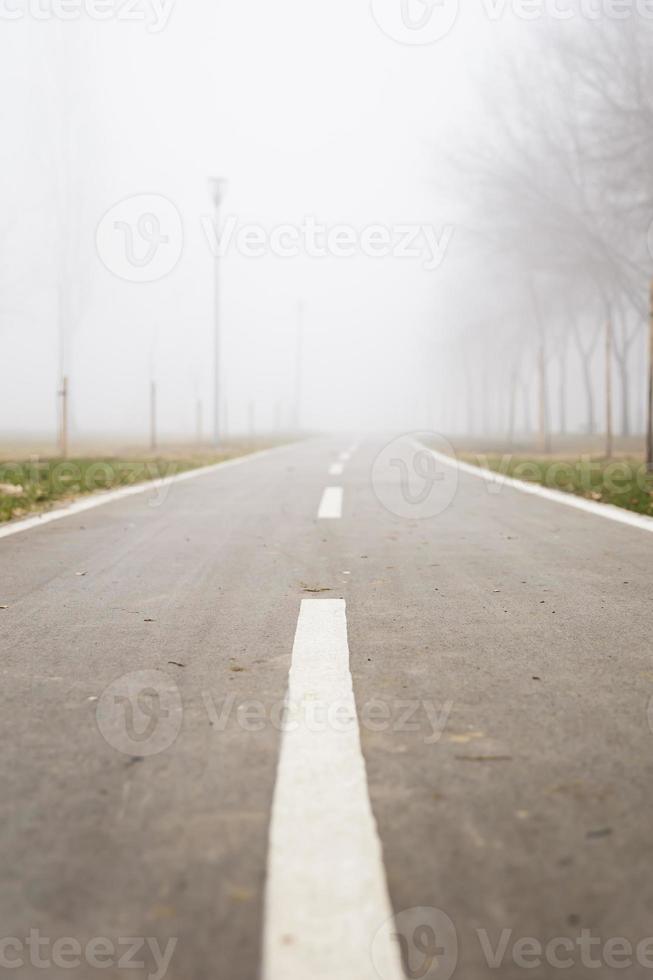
<point x="310" y="110"/>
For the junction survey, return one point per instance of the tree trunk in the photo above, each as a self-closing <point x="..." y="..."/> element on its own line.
<point x="608" y="388"/>
<point x="587" y="378"/>
<point x="527" y="409"/>
<point x="624" y="384"/>
<point x="621" y="344"/>
<point x="469" y="390"/>
<point x="544" y="442"/>
<point x="512" y="409"/>
<point x="562" y="391"/>
<point x="586" y="366"/>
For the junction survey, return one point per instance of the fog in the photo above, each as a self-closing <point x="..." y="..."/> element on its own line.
<point x="399" y="222"/>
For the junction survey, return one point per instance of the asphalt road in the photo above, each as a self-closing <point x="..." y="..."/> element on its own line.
<point x="500" y="652"/>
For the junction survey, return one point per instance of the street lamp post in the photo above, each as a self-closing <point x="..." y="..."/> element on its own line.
<point x="217" y="189"/>
<point x="299" y="352"/>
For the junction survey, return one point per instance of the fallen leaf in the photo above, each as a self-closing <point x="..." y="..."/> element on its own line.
<point x="162" y="912"/>
<point x="467" y="737"/>
<point x="484" y="758"/>
<point x="239" y="894"/>
<point x="579" y="789"/>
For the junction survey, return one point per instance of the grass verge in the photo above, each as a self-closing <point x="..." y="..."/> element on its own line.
<point x="39" y="484"/>
<point x="623" y="482"/>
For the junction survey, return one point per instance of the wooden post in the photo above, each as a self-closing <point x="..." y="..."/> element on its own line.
<point x="526" y="406"/>
<point x="198" y="421"/>
<point x="299" y="355"/>
<point x="649" y="437"/>
<point x="153" y="440"/>
<point x="608" y="388"/>
<point x="64" y="418"/>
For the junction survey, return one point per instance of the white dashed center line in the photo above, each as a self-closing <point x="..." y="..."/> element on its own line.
<point x="331" y="504"/>
<point x="337" y="469"/>
<point x="326" y="893"/>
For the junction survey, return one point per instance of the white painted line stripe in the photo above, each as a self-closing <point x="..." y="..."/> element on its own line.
<point x="331" y="504"/>
<point x="344" y="457"/>
<point x="101" y="498"/>
<point x="608" y="511"/>
<point x="337" y="469"/>
<point x="326" y="891"/>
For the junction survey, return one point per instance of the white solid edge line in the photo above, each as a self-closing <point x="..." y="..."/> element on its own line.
<point x="101" y="498"/>
<point x="326" y="896"/>
<point x="608" y="511"/>
<point x="331" y="504"/>
<point x="337" y="469"/>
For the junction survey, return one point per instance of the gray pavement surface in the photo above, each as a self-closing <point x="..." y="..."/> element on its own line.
<point x="501" y="658"/>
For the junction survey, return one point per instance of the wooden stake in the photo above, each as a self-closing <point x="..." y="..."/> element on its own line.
<point x="153" y="416"/>
<point x="608" y="389"/>
<point x="64" y="417"/>
<point x="198" y="421"/>
<point x="649" y="437"/>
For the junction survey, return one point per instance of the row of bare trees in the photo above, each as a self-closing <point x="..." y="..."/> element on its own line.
<point x="562" y="189"/>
